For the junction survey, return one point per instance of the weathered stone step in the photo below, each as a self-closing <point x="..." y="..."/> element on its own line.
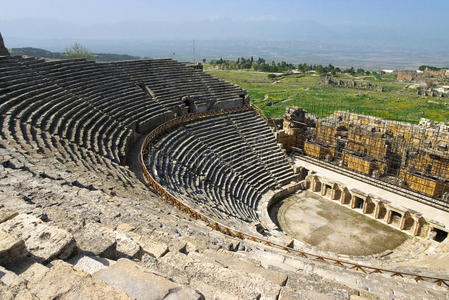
<point x="44" y="242"/>
<point x="11" y="248"/>
<point x="139" y="283"/>
<point x="217" y="274"/>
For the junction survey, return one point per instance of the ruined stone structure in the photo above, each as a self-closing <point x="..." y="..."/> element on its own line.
<point x="3" y="50"/>
<point x="293" y="129"/>
<point x="407" y="220"/>
<point x="329" y="81"/>
<point x="409" y="155"/>
<point x="150" y="179"/>
<point x="406" y="75"/>
<point x="426" y="74"/>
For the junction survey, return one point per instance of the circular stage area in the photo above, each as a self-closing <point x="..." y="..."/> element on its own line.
<point x="328" y="226"/>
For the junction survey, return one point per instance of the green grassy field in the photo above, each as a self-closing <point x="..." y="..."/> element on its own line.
<point x="308" y="91"/>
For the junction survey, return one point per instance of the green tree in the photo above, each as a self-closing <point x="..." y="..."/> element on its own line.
<point x="78" y="51"/>
<point x="350" y="71"/>
<point x="321" y="70"/>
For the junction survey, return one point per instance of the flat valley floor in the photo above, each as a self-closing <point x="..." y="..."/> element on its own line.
<point x="331" y="227"/>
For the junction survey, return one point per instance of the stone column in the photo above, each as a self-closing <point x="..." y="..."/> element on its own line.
<point x="377" y="206"/>
<point x="416" y="226"/>
<point x="402" y="224"/>
<point x="344" y="194"/>
<point x="352" y="202"/>
<point x="323" y="189"/>
<point x="312" y="184"/>
<point x="333" y="192"/>
<point x="388" y="215"/>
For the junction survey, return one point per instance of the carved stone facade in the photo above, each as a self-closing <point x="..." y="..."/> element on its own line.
<point x="406" y="220"/>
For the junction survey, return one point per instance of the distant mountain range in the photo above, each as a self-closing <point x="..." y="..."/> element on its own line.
<point x="340" y="55"/>
<point x="37" y="52"/>
<point x="399" y="44"/>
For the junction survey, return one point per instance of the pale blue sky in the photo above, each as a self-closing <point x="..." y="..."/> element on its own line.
<point x="417" y="26"/>
<point x="329" y="12"/>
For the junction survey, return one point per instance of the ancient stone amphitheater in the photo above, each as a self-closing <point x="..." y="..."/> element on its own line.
<point x="150" y="180"/>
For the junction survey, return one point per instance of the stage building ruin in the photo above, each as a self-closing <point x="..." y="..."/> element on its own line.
<point x="407" y="155"/>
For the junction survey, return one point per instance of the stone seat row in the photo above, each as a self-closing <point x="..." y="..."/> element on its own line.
<point x="242" y="156"/>
<point x="84" y="101"/>
<point x="170" y="81"/>
<point x="197" y="158"/>
<point x="28" y="139"/>
<point x="202" y="168"/>
<point x="260" y="138"/>
<point x="211" y="163"/>
<point x="42" y="103"/>
<point x="183" y="183"/>
<point x="105" y="89"/>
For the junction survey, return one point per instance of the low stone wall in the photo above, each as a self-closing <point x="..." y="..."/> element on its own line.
<point x="273" y="197"/>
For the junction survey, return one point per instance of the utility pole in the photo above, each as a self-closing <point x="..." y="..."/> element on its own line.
<point x="194" y="59"/>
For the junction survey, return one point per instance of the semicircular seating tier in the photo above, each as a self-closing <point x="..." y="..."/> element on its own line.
<point x="222" y="165"/>
<point x="182" y="88"/>
<point x="103" y="107"/>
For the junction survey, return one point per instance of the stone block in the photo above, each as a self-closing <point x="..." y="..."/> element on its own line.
<point x="211" y="292"/>
<point x="10" y="278"/>
<point x="97" y="240"/>
<point x="63" y="281"/>
<point x="127" y="247"/>
<point x="34" y="272"/>
<point x="44" y="242"/>
<point x="151" y="246"/>
<point x="89" y="264"/>
<point x="246" y="267"/>
<point x="141" y="284"/>
<point x="6" y="214"/>
<point x="356" y="297"/>
<point x="125" y="227"/>
<point x="183" y="293"/>
<point x="302" y="294"/>
<point x="15" y="293"/>
<point x="269" y="275"/>
<point x="25" y="295"/>
<point x="11" y="248"/>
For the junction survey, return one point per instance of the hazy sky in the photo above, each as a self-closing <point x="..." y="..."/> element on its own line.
<point x="430" y="14"/>
<point x="104" y="25"/>
<point x="324" y="11"/>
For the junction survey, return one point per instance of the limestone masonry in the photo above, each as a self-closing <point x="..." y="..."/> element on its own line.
<point x="151" y="179"/>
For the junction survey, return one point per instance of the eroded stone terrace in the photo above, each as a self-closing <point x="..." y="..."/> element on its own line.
<point x="71" y="208"/>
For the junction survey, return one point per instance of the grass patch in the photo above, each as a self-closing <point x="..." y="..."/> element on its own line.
<point x="399" y="103"/>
